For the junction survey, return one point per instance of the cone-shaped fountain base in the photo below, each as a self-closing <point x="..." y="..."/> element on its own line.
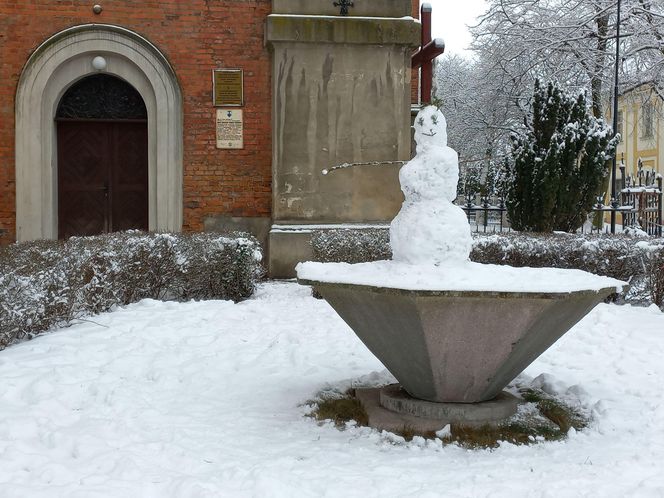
<point x="456" y="346"/>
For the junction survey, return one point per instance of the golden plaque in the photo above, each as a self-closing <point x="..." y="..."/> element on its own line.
<point x="227" y="87"/>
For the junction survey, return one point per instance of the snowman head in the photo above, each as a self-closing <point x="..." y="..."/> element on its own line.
<point x="430" y="127"/>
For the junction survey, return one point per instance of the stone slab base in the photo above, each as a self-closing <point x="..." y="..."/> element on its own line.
<point x="431" y="418"/>
<point x="396" y="399"/>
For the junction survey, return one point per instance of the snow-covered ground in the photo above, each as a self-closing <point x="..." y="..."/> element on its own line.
<point x="203" y="399"/>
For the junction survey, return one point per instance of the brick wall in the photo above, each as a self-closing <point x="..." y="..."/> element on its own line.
<point x="196" y="36"/>
<point x="415" y="82"/>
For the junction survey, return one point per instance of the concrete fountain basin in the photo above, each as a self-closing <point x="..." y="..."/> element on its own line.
<point x="456" y="346"/>
<point x="450" y="330"/>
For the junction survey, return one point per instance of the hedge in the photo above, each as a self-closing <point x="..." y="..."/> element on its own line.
<point x="639" y="261"/>
<point x="45" y="284"/>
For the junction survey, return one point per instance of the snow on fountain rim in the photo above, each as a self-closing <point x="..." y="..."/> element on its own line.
<point x="462" y="277"/>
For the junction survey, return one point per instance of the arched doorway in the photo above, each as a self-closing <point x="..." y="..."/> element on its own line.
<point x="63" y="60"/>
<point x="102" y="160"/>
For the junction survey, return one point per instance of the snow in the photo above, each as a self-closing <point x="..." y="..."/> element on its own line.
<point x="327" y="171"/>
<point x="635" y="231"/>
<point x="466" y="277"/>
<point x="637" y="190"/>
<point x="308" y="228"/>
<point x="444" y="432"/>
<point x="430" y="229"/>
<point x="204" y="399"/>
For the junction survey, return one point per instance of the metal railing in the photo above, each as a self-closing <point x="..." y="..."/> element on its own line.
<point x="490" y="215"/>
<point x="638" y="206"/>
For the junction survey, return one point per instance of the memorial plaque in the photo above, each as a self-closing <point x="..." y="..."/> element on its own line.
<point x="230" y="129"/>
<point x="227" y="87"/>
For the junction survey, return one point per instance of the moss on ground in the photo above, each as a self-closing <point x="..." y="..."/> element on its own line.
<point x="340" y="410"/>
<point x="546" y="419"/>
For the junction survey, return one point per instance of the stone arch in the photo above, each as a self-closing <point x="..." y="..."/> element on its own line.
<point x="55" y="65"/>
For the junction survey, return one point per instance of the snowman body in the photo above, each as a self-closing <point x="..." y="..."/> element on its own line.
<point x="429" y="229"/>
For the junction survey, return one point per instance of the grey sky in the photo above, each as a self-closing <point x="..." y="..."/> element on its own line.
<point x="450" y="18"/>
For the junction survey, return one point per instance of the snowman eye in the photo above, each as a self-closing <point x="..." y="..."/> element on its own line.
<point x="434" y="119"/>
<point x="420" y="121"/>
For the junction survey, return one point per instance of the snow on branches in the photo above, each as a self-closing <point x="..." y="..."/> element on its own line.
<point x="558" y="164"/>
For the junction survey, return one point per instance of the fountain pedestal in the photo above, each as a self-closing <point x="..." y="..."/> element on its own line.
<point x="449" y="330"/>
<point x="456" y="346"/>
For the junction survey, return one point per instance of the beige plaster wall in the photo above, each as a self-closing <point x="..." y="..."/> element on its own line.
<point x="340" y="96"/>
<point x="340" y="102"/>
<point x="373" y="8"/>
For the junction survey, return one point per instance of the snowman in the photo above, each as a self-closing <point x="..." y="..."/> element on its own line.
<point x="429" y="229"/>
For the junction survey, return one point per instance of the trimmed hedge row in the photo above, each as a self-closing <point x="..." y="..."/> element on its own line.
<point x="617" y="256"/>
<point x="349" y="245"/>
<point x="639" y="261"/>
<point x="44" y="284"/>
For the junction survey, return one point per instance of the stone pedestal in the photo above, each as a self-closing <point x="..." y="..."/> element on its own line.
<point x="392" y="409"/>
<point x="341" y="94"/>
<point x="456" y="346"/>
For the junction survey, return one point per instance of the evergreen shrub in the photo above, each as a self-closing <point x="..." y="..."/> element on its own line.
<point x="557" y="165"/>
<point x="46" y="284"/>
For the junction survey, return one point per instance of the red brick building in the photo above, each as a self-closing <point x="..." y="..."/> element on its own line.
<point x="166" y="50"/>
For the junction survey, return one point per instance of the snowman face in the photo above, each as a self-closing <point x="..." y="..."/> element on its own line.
<point x="430" y="127"/>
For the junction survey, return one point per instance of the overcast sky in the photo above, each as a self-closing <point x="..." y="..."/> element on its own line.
<point x="450" y="18"/>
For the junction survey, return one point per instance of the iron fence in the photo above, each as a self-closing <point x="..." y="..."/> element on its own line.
<point x="490" y="215"/>
<point x="638" y="206"/>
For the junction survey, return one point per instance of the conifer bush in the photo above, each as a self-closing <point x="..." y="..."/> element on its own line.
<point x="46" y="284"/>
<point x="557" y="164"/>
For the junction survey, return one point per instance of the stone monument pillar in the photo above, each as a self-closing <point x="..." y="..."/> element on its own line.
<point x="341" y="96"/>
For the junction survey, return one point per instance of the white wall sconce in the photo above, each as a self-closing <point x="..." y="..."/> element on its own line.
<point x="99" y="63"/>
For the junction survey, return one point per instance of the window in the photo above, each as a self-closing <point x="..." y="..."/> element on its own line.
<point x="619" y="126"/>
<point x="647" y="118"/>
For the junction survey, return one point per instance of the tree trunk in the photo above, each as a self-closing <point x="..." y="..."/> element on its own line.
<point x="596" y="79"/>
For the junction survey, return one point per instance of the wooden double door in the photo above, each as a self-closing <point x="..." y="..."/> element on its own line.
<point x="102" y="176"/>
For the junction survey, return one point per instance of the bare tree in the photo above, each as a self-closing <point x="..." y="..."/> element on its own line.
<point x="568" y="41"/>
<point x="572" y="41"/>
<point x="479" y="123"/>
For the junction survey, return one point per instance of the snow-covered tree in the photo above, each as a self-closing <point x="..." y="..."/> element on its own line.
<point x="470" y="180"/>
<point x="571" y="41"/>
<point x="479" y="124"/>
<point x="494" y="182"/>
<point x="558" y="164"/>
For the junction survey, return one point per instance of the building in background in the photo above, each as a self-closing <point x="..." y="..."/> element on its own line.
<point x="641" y="126"/>
<point x="640" y="158"/>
